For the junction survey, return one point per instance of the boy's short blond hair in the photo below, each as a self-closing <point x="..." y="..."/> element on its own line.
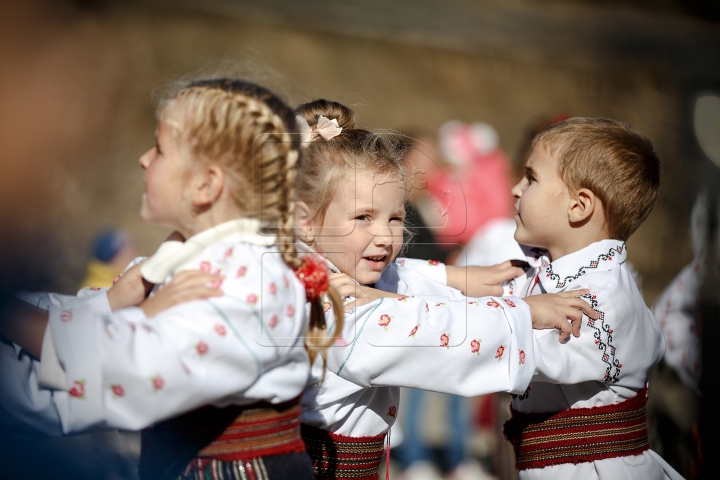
<point x="614" y="160"/>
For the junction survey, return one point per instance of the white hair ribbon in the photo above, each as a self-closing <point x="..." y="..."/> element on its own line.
<point x="324" y="128"/>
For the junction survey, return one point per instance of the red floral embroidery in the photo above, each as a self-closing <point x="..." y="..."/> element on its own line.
<point x="413" y="331"/>
<point x="117" y="390"/>
<point x="216" y="283"/>
<point x="241" y="271"/>
<point x="522" y="357"/>
<point x="95" y="289"/>
<point x="492" y="303"/>
<point x="475" y="346"/>
<point x="220" y="329"/>
<point x="509" y="302"/>
<point x="205" y="266"/>
<point x="228" y="253"/>
<point x="444" y="340"/>
<point x="392" y="411"/>
<point x="273" y="321"/>
<point x="477" y="304"/>
<point x="433" y="262"/>
<point x="500" y="351"/>
<point x="427" y="308"/>
<point x="290" y="311"/>
<point x="402" y="262"/>
<point x="158" y="382"/>
<point x="272" y="288"/>
<point x="385" y="320"/>
<point x="286" y="281"/>
<point x="252" y="298"/>
<point x="78" y="389"/>
<point x="202" y="348"/>
<point x="65" y="316"/>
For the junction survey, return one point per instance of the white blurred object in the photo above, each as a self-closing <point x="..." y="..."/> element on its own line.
<point x="461" y="142"/>
<point x="422" y="470"/>
<point x="676" y="310"/>
<point x="492" y="244"/>
<point x="707" y="125"/>
<point x="470" y="470"/>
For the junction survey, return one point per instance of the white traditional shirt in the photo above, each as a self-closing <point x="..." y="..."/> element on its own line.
<point x="124" y="370"/>
<point x="434" y="339"/>
<point x="606" y="365"/>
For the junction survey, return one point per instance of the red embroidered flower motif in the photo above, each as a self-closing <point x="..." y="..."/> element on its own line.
<point x="385" y="320"/>
<point x="117" y="390"/>
<point x="78" y="389"/>
<point x="500" y="351"/>
<point x="228" y="253"/>
<point x="95" y="289"/>
<point x="216" y="283"/>
<point x="158" y="381"/>
<point x="509" y="302"/>
<point x="413" y="331"/>
<point x="477" y="304"/>
<point x="220" y="329"/>
<point x="402" y="299"/>
<point x="433" y="262"/>
<point x="273" y="321"/>
<point x="522" y="357"/>
<point x="392" y="411"/>
<point x="475" y="346"/>
<point x="65" y="316"/>
<point x="286" y="281"/>
<point x="402" y="262"/>
<point x="241" y="271"/>
<point x="427" y="308"/>
<point x="252" y="298"/>
<point x="272" y="288"/>
<point x="440" y="304"/>
<point x="492" y="303"/>
<point x="290" y="311"/>
<point x="202" y="348"/>
<point x="327" y="306"/>
<point x="205" y="266"/>
<point x="444" y="340"/>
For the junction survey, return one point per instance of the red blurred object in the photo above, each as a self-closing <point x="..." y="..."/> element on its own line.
<point x="314" y="275"/>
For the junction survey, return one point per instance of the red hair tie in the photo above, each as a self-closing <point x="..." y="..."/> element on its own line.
<point x="314" y="275"/>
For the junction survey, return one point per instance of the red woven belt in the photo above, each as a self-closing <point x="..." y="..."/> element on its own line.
<point x="338" y="456"/>
<point x="578" y="435"/>
<point x="259" y="432"/>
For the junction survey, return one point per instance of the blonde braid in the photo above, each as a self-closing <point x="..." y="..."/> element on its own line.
<point x="233" y="123"/>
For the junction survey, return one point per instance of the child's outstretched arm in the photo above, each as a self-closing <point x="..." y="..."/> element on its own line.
<point x="475" y="281"/>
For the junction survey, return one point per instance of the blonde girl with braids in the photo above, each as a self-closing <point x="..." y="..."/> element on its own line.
<point x="214" y="382"/>
<point x="406" y="325"/>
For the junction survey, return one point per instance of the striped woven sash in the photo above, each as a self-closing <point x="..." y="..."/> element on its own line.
<point x="578" y="435"/>
<point x="339" y="456"/>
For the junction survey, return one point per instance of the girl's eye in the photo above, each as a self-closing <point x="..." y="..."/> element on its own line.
<point x="397" y="219"/>
<point x="530" y="178"/>
<point x="363" y="217"/>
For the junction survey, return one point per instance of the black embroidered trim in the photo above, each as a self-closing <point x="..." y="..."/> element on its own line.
<point x="582" y="271"/>
<point x="602" y="329"/>
<point x="522" y="397"/>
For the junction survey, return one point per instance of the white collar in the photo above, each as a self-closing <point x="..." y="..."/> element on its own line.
<point x="599" y="256"/>
<point x="305" y="249"/>
<point x="172" y="255"/>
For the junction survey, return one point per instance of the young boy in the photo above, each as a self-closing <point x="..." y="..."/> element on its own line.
<point x="589" y="184"/>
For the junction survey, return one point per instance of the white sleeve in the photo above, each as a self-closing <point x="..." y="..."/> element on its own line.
<point x="470" y="347"/>
<point x="127" y="371"/>
<point x="617" y="348"/>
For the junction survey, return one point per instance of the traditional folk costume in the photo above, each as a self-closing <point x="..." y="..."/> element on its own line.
<point x="583" y="415"/>
<point x="439" y="340"/>
<point x="236" y="363"/>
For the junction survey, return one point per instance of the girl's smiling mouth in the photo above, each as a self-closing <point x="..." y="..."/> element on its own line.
<point x="376" y="262"/>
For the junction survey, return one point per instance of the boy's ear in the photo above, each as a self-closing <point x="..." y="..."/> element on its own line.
<point x="302" y="220"/>
<point x="582" y="206"/>
<point x="207" y="186"/>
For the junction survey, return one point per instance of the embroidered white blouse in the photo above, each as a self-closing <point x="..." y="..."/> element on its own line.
<point x="607" y="364"/>
<point x="123" y="370"/>
<point x="439" y="340"/>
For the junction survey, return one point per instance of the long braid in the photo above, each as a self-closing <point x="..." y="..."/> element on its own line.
<point x="248" y="130"/>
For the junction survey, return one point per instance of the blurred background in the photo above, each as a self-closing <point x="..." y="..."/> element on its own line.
<point x="79" y="79"/>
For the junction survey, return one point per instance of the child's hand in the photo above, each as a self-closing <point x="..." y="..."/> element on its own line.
<point x="347" y="287"/>
<point x="185" y="287"/>
<point x="129" y="290"/>
<point x="475" y="281"/>
<point x="553" y="310"/>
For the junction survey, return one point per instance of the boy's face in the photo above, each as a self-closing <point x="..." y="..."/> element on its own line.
<point x="542" y="202"/>
<point x="363" y="228"/>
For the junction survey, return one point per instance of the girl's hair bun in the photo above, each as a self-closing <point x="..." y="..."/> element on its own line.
<point x="311" y="111"/>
